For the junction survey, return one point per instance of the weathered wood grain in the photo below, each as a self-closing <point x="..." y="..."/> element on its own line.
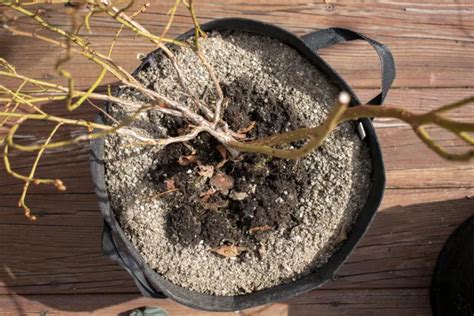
<point x="406" y="172"/>
<point x="325" y="302"/>
<point x="444" y="58"/>
<point x="401" y="149"/>
<point x="77" y="178"/>
<point x="55" y="265"/>
<point x="420" y="63"/>
<point x="412" y="241"/>
<point x="61" y="252"/>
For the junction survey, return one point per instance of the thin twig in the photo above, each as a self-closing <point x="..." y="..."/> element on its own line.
<point x="319" y="133"/>
<point x="58" y="183"/>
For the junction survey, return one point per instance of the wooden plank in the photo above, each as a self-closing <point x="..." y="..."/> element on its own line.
<point x="424" y="58"/>
<point x="81" y="210"/>
<point x="404" y="167"/>
<point x="411" y="20"/>
<point x="361" y="302"/>
<point x="461" y="177"/>
<point x="60" y="253"/>
<point x="407" y="197"/>
<point x="403" y="19"/>
<point x="402" y="150"/>
<point x="77" y="178"/>
<point x="400" y="251"/>
<point x="74" y="170"/>
<point x="325" y="302"/>
<point x="414" y="99"/>
<point x="390" y="270"/>
<point x="447" y="65"/>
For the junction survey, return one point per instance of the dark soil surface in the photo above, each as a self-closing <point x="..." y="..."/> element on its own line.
<point x="252" y="208"/>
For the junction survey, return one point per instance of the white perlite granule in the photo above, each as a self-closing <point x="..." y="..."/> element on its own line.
<point x="340" y="170"/>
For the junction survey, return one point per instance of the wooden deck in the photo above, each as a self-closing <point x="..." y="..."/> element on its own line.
<point x="55" y="265"/>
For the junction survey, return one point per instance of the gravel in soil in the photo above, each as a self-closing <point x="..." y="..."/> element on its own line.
<point x="233" y="226"/>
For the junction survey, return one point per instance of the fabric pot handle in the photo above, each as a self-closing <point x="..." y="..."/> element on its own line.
<point x="112" y="251"/>
<point x="334" y="35"/>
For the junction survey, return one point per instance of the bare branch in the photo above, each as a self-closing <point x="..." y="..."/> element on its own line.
<point x="217" y="85"/>
<point x="425" y="137"/>
<point x="201" y="116"/>
<point x="317" y="134"/>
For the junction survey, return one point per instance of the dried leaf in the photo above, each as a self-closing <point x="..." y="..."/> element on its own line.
<point x="223" y="151"/>
<point x="206" y="195"/>
<point x="206" y="171"/>
<point x="259" y="229"/>
<point x="229" y="251"/>
<point x="169" y="183"/>
<point x="221" y="164"/>
<point x="238" y="196"/>
<point x="222" y="182"/>
<point x="247" y="129"/>
<point x="160" y="194"/>
<point x="224" y="154"/>
<point x="240" y="136"/>
<point x="187" y="160"/>
<point x="216" y="205"/>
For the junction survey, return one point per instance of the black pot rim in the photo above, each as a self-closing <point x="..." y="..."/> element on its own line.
<point x="318" y="277"/>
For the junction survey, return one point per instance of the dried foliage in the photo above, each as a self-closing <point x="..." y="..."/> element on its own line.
<point x="222" y="182"/>
<point x="259" y="229"/>
<point x="229" y="251"/>
<point x="23" y="102"/>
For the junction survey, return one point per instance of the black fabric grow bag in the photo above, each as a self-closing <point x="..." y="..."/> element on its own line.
<point x="452" y="285"/>
<point x="151" y="284"/>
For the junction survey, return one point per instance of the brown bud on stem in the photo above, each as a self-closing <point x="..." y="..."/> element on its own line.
<point x="59" y="185"/>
